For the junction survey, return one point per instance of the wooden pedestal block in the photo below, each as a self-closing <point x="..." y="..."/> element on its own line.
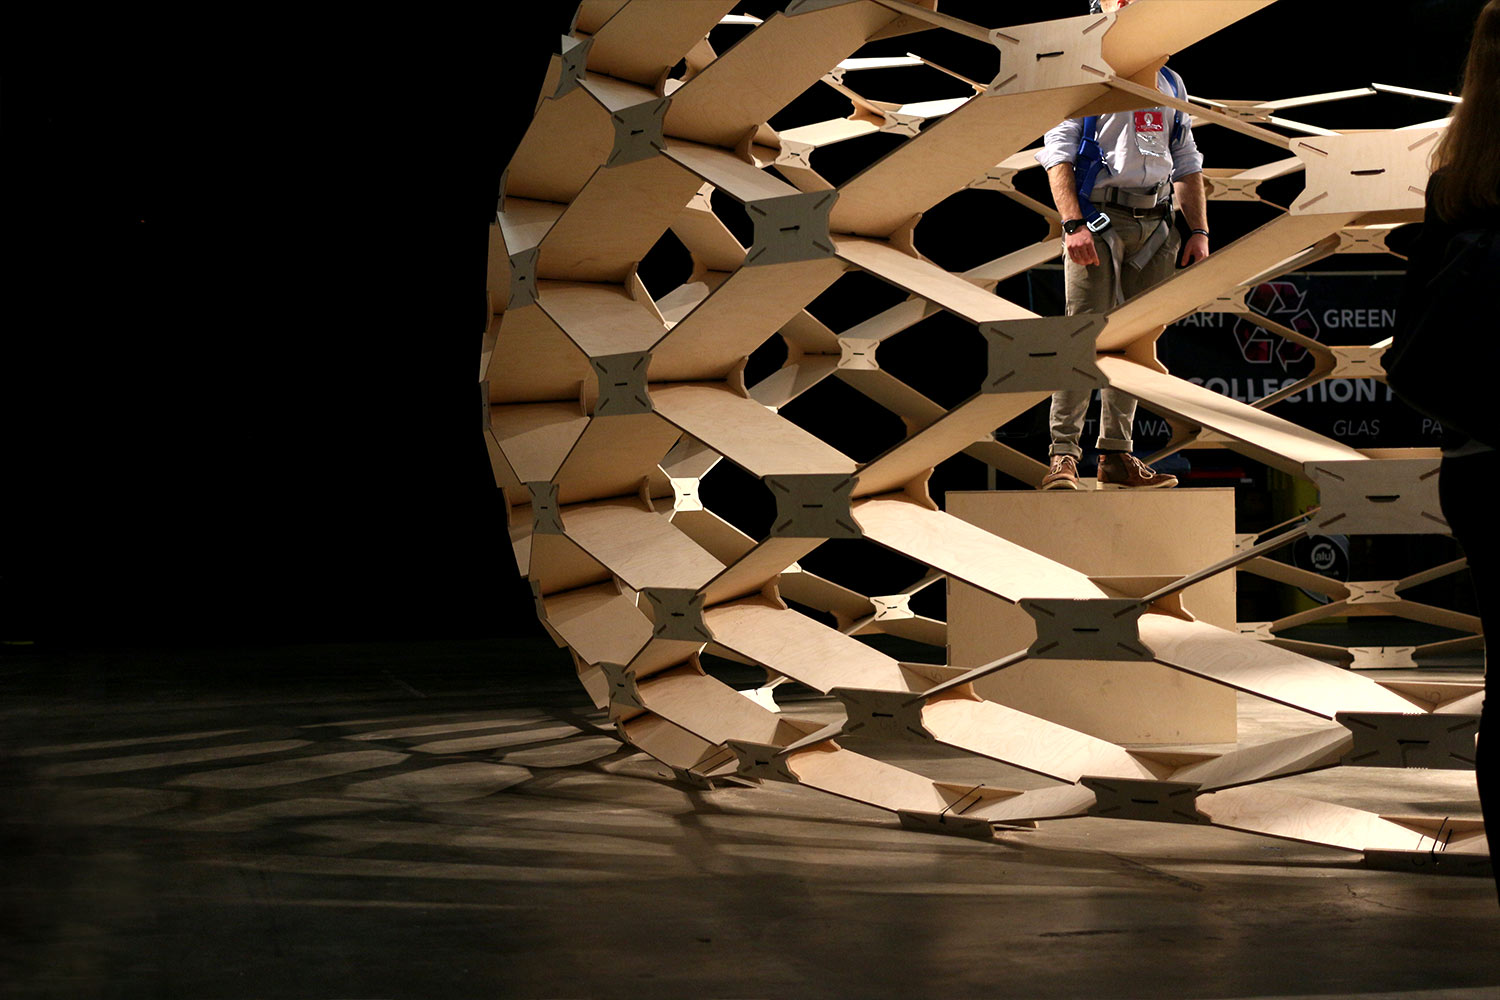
<point x="1131" y="534"/>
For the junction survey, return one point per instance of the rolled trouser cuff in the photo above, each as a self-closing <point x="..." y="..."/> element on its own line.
<point x="1113" y="444"/>
<point x="1071" y="450"/>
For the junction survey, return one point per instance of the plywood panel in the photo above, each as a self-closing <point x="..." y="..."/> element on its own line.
<point x="745" y="432"/>
<point x="567" y="139"/>
<point x="923" y="278"/>
<point x="734" y="93"/>
<point x="602" y="319"/>
<point x="1267" y="438"/>
<point x="536" y="437"/>
<point x="613" y="455"/>
<point x="1291" y="817"/>
<point x="533" y="360"/>
<point x="972" y="421"/>
<point x="972" y="554"/>
<point x="647" y="37"/>
<point x="724" y="170"/>
<point x="595" y="241"/>
<point x="707" y="708"/>
<point x="599" y="623"/>
<point x="864" y="779"/>
<point x="639" y="546"/>
<point x="757" y="568"/>
<point x="1223" y="270"/>
<point x="1026" y="741"/>
<point x="741" y="314"/>
<point x="1144" y="32"/>
<point x="795" y="645"/>
<point x="1264" y="670"/>
<point x="948" y="155"/>
<point x="1158" y="533"/>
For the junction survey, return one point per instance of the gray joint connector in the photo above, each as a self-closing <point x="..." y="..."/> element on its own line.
<point x="1096" y="629"/>
<point x="760" y="760"/>
<point x="1396" y="739"/>
<point x="622" y="384"/>
<point x="622" y="685"/>
<point x="1155" y="801"/>
<point x="1394" y="496"/>
<point x="523" y="278"/>
<point x="677" y="614"/>
<point x="815" y="505"/>
<point x="1046" y="354"/>
<point x="790" y="228"/>
<point x="638" y="132"/>
<point x="546" y="514"/>
<point x="882" y="714"/>
<point x="574" y="54"/>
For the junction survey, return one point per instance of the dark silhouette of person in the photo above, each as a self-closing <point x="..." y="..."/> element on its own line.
<point x="1463" y="195"/>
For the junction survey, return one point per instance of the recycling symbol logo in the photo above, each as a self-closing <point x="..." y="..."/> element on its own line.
<point x="1284" y="303"/>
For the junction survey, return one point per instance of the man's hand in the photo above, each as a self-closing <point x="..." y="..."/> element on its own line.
<point x="1080" y="247"/>
<point x="1195" y="249"/>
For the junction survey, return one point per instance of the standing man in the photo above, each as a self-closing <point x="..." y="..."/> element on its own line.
<point x="1113" y="180"/>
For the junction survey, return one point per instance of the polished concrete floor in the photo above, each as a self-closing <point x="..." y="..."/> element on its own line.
<point x="454" y="820"/>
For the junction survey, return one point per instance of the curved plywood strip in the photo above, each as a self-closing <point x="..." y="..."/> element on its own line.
<point x="745" y="432"/>
<point x="1264" y="670"/>
<point x="970" y="554"/>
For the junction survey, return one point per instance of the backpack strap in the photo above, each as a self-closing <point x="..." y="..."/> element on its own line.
<point x="1175" y="83"/>
<point x="1086" y="167"/>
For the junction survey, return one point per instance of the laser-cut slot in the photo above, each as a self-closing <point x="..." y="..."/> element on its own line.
<point x="1368" y="173"/>
<point x="1048" y="55"/>
<point x="1383" y="497"/>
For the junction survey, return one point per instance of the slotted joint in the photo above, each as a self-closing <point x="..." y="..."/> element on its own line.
<point x="622" y="384"/>
<point x="760" y="760"/>
<point x="685" y="494"/>
<point x="892" y="607"/>
<point x="638" y="132"/>
<point x="677" y="614"/>
<point x="1090" y="629"/>
<point x="523" y="278"/>
<point x="622" y="685"/>
<point x="790" y="228"/>
<point x="890" y="715"/>
<point x="946" y="823"/>
<point x="574" y="56"/>
<point x="1358" y="362"/>
<point x="1397" y="739"/>
<point x="1044" y="354"/>
<point x="1383" y="657"/>
<point x="814" y="505"/>
<point x="1393" y="496"/>
<point x="1154" y="801"/>
<point x="1373" y="592"/>
<point x="1256" y="630"/>
<point x="546" y="515"/>
<point x="858" y="354"/>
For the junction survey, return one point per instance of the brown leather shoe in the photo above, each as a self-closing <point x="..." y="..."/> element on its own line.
<point x="1063" y="475"/>
<point x="1126" y="472"/>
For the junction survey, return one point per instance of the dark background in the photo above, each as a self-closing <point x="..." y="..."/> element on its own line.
<point x="245" y="282"/>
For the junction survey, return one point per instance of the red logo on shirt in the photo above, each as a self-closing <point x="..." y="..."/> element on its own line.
<point x="1149" y="121"/>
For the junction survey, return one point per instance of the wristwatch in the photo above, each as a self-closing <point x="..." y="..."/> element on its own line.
<point x="1071" y="226"/>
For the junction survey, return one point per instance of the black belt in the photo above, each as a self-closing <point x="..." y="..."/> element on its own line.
<point x="1160" y="209"/>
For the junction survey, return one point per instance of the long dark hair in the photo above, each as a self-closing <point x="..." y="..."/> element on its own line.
<point x="1469" y="153"/>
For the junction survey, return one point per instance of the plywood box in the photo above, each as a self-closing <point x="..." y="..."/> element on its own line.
<point x="1103" y="533"/>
